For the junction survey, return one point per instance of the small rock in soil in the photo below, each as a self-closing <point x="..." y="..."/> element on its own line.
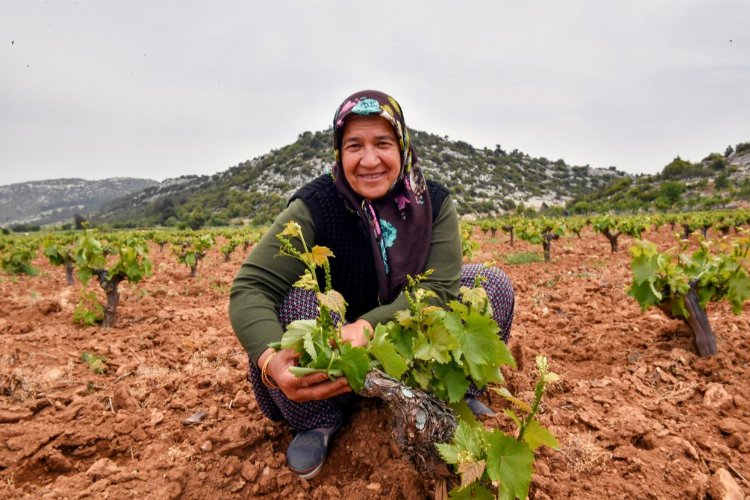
<point x="249" y="472"/>
<point x="717" y="397"/>
<point x="103" y="467"/>
<point x="724" y="487"/>
<point x="195" y="418"/>
<point x="122" y="399"/>
<point x="156" y="417"/>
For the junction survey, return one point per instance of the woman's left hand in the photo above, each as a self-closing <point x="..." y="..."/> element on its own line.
<point x="354" y="333"/>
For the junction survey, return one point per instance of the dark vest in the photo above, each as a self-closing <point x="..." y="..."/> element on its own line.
<point x="342" y="230"/>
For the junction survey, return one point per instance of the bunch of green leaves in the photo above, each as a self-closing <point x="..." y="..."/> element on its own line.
<point x="664" y="278"/>
<point x="491" y="463"/>
<point x="191" y="250"/>
<point x="468" y="245"/>
<point x="129" y="259"/>
<point x="59" y="251"/>
<point x="442" y="350"/>
<point x="319" y="341"/>
<point x="96" y="363"/>
<point x="16" y="257"/>
<point x="89" y="311"/>
<point x="227" y="249"/>
<point x="541" y="229"/>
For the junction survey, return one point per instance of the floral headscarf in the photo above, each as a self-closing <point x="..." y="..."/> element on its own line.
<point x="400" y="222"/>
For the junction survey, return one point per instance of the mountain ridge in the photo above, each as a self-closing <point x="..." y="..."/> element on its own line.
<point x="482" y="182"/>
<point x="56" y="200"/>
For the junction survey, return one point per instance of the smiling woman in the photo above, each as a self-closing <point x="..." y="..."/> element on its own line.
<point x="383" y="222"/>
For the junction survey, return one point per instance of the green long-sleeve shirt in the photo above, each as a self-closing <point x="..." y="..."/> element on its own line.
<point x="265" y="278"/>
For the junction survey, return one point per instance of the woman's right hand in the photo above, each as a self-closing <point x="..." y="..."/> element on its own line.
<point x="312" y="387"/>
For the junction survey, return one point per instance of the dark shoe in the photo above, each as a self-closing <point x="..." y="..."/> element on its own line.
<point x="477" y="407"/>
<point x="307" y="451"/>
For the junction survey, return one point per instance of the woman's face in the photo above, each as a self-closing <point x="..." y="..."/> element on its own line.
<point x="370" y="155"/>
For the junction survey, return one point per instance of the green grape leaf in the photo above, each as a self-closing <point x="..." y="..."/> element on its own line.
<point x="309" y="345"/>
<point x="504" y="392"/>
<point x="422" y="377"/>
<point x="453" y="379"/>
<point x="295" y="333"/>
<point x="402" y="339"/>
<point x="464" y="413"/>
<point x="393" y="363"/>
<point x="536" y="436"/>
<point x="739" y="292"/>
<point x="435" y="345"/>
<point x="471" y="492"/>
<point x="510" y="463"/>
<point x="355" y="363"/>
<point x="477" y="297"/>
<point x="480" y="345"/>
<point x="645" y="294"/>
<point x="466" y="441"/>
<point x="512" y="415"/>
<point x="644" y="268"/>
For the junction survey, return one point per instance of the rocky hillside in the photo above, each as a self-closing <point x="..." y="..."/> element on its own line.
<point x="717" y="181"/>
<point x="58" y="200"/>
<point x="483" y="182"/>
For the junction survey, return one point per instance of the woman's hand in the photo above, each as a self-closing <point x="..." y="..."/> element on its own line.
<point x="300" y="389"/>
<point x="354" y="333"/>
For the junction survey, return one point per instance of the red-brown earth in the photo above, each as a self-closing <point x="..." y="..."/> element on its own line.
<point x="637" y="413"/>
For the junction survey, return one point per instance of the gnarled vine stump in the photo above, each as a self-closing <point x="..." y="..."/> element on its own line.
<point x="419" y="420"/>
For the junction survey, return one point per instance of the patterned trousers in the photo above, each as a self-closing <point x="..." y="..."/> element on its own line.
<point x="300" y="304"/>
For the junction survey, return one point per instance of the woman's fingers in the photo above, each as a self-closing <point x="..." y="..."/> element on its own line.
<point x="322" y="390"/>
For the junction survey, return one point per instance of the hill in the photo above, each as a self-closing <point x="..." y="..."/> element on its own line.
<point x="717" y="181"/>
<point x="483" y="182"/>
<point x="58" y="200"/>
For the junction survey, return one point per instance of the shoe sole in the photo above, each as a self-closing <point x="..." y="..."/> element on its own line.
<point x="312" y="473"/>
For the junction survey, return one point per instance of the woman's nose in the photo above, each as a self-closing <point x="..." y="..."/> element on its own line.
<point x="370" y="157"/>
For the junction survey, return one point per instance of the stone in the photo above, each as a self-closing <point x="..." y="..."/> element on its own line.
<point x="207" y="445"/>
<point x="241" y="399"/>
<point x="102" y="468"/>
<point x="249" y="472"/>
<point x="724" y="487"/>
<point x="717" y="397"/>
<point x="122" y="399"/>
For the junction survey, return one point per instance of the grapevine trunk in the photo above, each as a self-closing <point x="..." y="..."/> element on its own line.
<point x="419" y="420"/>
<point x="110" y="287"/>
<point x="69" y="273"/>
<point x="705" y="341"/>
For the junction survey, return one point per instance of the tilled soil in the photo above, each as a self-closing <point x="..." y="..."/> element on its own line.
<point x="638" y="414"/>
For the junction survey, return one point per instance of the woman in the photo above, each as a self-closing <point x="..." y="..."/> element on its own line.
<point x="382" y="221"/>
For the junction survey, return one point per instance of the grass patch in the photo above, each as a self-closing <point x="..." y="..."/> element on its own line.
<point x="522" y="258"/>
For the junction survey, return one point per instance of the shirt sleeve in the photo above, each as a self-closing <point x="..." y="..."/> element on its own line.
<point x="445" y="259"/>
<point x="264" y="279"/>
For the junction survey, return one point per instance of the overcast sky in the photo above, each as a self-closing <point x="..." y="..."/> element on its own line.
<point x="98" y="89"/>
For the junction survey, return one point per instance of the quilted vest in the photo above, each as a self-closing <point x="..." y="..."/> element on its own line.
<point x="344" y="232"/>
